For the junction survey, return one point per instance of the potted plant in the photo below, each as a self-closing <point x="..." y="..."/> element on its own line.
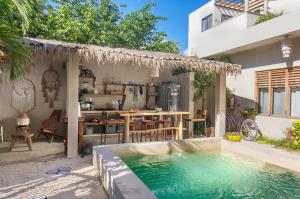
<point x="234" y="136"/>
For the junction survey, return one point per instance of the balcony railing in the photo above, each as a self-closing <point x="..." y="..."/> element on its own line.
<point x="258" y="6"/>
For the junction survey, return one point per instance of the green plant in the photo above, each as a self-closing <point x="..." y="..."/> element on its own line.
<point x="249" y="113"/>
<point x="202" y="82"/>
<point x="12" y="44"/>
<point x="284" y="143"/>
<point x="222" y="58"/>
<point x="267" y="17"/>
<point x="180" y="70"/>
<point x="293" y="134"/>
<point x="229" y="96"/>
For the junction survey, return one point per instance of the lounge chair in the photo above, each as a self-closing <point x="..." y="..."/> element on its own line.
<point x="50" y="126"/>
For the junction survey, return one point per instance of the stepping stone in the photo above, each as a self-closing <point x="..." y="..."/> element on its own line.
<point x="63" y="172"/>
<point x="52" y="171"/>
<point x="64" y="168"/>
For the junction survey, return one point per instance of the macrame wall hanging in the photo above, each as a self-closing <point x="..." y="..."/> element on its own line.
<point x="23" y="95"/>
<point x="50" y="85"/>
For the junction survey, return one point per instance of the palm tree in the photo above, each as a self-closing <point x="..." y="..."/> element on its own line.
<point x="14" y="46"/>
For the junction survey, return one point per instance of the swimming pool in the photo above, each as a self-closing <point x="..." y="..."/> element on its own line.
<point x="213" y="175"/>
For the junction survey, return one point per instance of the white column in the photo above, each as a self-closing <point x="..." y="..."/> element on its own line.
<point x="72" y="105"/>
<point x="265" y="11"/>
<point x="246" y="5"/>
<point x="220" y="105"/>
<point x="191" y="102"/>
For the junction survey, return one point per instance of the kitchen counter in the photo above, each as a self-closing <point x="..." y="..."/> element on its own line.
<point x="98" y="112"/>
<point x="178" y="128"/>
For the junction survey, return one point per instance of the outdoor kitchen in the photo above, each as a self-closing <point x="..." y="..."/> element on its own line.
<point x="151" y="105"/>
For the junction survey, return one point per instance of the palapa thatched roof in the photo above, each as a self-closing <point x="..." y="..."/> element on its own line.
<point x="128" y="56"/>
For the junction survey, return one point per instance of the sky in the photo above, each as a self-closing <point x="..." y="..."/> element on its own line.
<point x="176" y="11"/>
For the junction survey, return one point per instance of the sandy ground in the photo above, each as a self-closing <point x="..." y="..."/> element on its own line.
<point x="29" y="180"/>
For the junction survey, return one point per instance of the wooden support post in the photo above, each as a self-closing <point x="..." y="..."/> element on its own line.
<point x="126" y="133"/>
<point x="220" y="105"/>
<point x="180" y="134"/>
<point x="72" y="105"/>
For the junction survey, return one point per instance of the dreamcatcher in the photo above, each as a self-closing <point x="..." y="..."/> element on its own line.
<point x="51" y="85"/>
<point x="23" y="95"/>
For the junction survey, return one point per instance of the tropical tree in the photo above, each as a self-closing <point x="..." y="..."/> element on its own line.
<point x="12" y="44"/>
<point x="103" y="23"/>
<point x="202" y="82"/>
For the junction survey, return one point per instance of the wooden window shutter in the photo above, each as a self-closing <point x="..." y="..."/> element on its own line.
<point x="278" y="78"/>
<point x="262" y="78"/>
<point x="294" y="77"/>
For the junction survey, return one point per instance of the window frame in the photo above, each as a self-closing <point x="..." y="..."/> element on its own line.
<point x="205" y="18"/>
<point x="277" y="78"/>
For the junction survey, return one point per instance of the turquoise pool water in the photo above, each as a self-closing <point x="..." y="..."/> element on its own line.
<point x="213" y="175"/>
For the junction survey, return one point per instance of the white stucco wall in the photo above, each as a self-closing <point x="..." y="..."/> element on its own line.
<point x="240" y="31"/>
<point x="41" y="111"/>
<point x="285" y="6"/>
<point x="262" y="58"/>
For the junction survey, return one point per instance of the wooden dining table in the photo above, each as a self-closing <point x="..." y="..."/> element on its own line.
<point x="179" y="128"/>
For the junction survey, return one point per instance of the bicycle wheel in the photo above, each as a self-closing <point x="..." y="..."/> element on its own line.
<point x="249" y="130"/>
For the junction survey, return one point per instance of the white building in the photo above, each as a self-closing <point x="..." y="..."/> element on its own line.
<point x="269" y="53"/>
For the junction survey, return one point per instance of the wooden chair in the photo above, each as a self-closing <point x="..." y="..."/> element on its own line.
<point x="50" y="126"/>
<point x="201" y="117"/>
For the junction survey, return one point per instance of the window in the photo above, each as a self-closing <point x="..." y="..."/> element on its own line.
<point x="225" y="17"/>
<point x="278" y="101"/>
<point x="295" y="102"/>
<point x="278" y="92"/>
<point x="207" y="22"/>
<point x="263" y="106"/>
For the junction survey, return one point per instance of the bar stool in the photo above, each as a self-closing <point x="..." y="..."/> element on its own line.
<point x="202" y="116"/>
<point x="132" y="127"/>
<point x="113" y="127"/>
<point x="148" y="124"/>
<point x="166" y="124"/>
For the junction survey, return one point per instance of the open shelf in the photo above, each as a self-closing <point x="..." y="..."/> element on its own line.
<point x="102" y="95"/>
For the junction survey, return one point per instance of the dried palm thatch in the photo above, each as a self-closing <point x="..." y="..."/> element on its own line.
<point x="140" y="58"/>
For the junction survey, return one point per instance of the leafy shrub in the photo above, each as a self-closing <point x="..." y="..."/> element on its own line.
<point x="229" y="96"/>
<point x="280" y="143"/>
<point x="293" y="134"/>
<point x="267" y="17"/>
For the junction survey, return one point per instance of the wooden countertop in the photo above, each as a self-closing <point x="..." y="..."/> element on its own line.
<point x="142" y="113"/>
<point x="113" y="111"/>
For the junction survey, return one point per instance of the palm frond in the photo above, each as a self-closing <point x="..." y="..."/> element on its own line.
<point x="17" y="50"/>
<point x="23" y="7"/>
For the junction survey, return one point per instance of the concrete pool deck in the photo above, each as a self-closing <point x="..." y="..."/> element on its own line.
<point x="120" y="182"/>
<point x="263" y="152"/>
